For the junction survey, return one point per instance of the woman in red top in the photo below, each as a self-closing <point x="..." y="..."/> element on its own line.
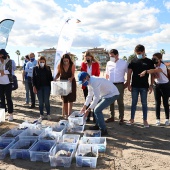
<point x="91" y="66"/>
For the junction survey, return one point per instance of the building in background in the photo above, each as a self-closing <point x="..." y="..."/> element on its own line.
<point x="49" y="54"/>
<point x="100" y="54"/>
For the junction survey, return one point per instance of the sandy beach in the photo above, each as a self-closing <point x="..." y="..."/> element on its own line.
<point x="128" y="147"/>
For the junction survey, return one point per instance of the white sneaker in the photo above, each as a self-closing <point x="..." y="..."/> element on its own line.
<point x="158" y="122"/>
<point x="166" y="122"/>
<point x="40" y="118"/>
<point x="10" y="118"/>
<point x="48" y="117"/>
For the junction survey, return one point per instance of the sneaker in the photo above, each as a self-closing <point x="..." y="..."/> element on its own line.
<point x="111" y="119"/>
<point x="94" y="127"/>
<point x="121" y="122"/>
<point x="26" y="103"/>
<point x="40" y="118"/>
<point x="48" y="117"/>
<point x="104" y="132"/>
<point x="10" y="118"/>
<point x="167" y="122"/>
<point x="32" y="106"/>
<point x="145" y="124"/>
<point x="158" y="122"/>
<point x="130" y="122"/>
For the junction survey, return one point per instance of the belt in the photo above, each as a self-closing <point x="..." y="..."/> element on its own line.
<point x="119" y="83"/>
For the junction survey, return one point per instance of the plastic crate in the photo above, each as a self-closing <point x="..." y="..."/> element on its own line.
<point x="30" y="134"/>
<point x="41" y="150"/>
<point x="59" y="129"/>
<point x="85" y="161"/>
<point x="99" y="141"/>
<point x="92" y="133"/>
<point x="12" y="134"/>
<point x="70" y="138"/>
<point x="63" y="122"/>
<point x="2" y="115"/>
<point x="49" y="135"/>
<point x="73" y="120"/>
<point x="5" y="144"/>
<point x="57" y="160"/>
<point x="75" y="129"/>
<point x="61" y="87"/>
<point x="20" y="150"/>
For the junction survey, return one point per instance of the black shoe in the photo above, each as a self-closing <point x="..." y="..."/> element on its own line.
<point x="88" y="119"/>
<point x="121" y="122"/>
<point x="94" y="127"/>
<point x="104" y="132"/>
<point x="94" y="120"/>
<point x="32" y="106"/>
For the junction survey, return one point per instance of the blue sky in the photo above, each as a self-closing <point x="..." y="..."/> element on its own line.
<point x="105" y="24"/>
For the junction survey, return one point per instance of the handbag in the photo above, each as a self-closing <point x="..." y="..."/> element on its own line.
<point x="14" y="82"/>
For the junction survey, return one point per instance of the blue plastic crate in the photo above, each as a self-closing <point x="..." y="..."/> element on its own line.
<point x="61" y="160"/>
<point x="20" y="150"/>
<point x="41" y="150"/>
<point x="5" y="144"/>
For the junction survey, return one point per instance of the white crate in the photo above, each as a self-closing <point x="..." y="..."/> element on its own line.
<point x="49" y="135"/>
<point x="74" y="120"/>
<point x="2" y="115"/>
<point x="99" y="141"/>
<point x="70" y="138"/>
<point x="41" y="151"/>
<point x="62" y="160"/>
<point x="61" y="87"/>
<point x="20" y="150"/>
<point x="75" y="129"/>
<point x="84" y="161"/>
<point x="31" y="134"/>
<point x="5" y="144"/>
<point x="12" y="134"/>
<point x="92" y="133"/>
<point x="59" y="129"/>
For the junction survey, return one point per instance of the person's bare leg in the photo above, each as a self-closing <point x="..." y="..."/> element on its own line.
<point x="66" y="109"/>
<point x="70" y="106"/>
<point x="63" y="110"/>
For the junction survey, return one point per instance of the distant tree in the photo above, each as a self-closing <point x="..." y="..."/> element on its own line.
<point x="131" y="57"/>
<point x="18" y="53"/>
<point x="22" y="58"/>
<point x="124" y="58"/>
<point x="162" y="52"/>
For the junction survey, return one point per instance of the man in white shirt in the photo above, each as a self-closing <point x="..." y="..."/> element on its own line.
<point x="115" y="72"/>
<point x="102" y="93"/>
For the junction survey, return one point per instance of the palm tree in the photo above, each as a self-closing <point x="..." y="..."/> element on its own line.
<point x="124" y="58"/>
<point x="18" y="53"/>
<point x="162" y="52"/>
<point x="131" y="57"/>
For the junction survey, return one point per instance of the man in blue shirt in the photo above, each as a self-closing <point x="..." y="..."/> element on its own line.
<point x="29" y="70"/>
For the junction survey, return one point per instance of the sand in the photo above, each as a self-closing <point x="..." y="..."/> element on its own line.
<point x="128" y="147"/>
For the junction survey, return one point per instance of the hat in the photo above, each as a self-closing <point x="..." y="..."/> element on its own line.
<point x="81" y="76"/>
<point x="2" y="51"/>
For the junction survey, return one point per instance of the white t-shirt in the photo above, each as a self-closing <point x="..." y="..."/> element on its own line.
<point x="89" y="69"/>
<point x="162" y="78"/>
<point x="4" y="79"/>
<point x="99" y="88"/>
<point x="116" y="70"/>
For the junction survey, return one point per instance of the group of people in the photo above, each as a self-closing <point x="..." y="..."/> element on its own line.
<point x="99" y="93"/>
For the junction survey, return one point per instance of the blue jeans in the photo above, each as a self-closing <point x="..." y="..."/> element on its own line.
<point x="27" y="91"/>
<point x="102" y="104"/>
<point x="43" y="97"/>
<point x="143" y="94"/>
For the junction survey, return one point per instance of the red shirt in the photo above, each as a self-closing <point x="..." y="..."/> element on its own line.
<point x="95" y="69"/>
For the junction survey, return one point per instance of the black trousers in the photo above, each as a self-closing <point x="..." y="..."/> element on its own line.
<point x="85" y="91"/>
<point x="5" y="92"/>
<point x="161" y="91"/>
<point x="31" y="91"/>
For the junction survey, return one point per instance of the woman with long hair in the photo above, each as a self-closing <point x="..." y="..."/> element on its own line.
<point x="91" y="66"/>
<point x="66" y="71"/>
<point x="42" y="78"/>
<point x="161" y="87"/>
